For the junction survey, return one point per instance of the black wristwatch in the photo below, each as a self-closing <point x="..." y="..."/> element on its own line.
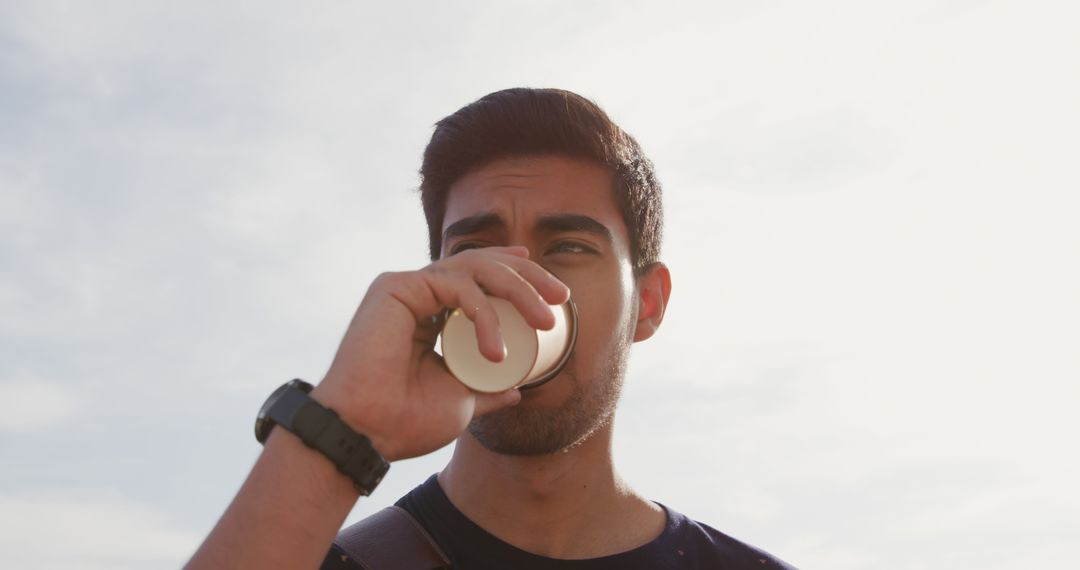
<point x="321" y="429"/>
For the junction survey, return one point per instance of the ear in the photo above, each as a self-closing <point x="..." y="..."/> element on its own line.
<point x="654" y="289"/>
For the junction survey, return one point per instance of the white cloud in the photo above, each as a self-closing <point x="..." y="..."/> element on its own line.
<point x="871" y="220"/>
<point x="44" y="533"/>
<point x="18" y="207"/>
<point x="34" y="405"/>
<point x="817" y="551"/>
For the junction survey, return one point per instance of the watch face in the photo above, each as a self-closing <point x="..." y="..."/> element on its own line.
<point x="263" y="423"/>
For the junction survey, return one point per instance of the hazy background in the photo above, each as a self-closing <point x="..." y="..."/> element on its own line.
<point x="871" y="355"/>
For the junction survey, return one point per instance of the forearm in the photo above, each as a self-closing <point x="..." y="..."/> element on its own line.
<point x="387" y="383"/>
<point x="285" y="515"/>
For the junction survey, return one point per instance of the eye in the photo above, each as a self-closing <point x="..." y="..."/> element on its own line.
<point x="465" y="245"/>
<point x="570" y="247"/>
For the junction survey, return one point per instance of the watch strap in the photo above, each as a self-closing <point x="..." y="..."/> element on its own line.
<point x="321" y="428"/>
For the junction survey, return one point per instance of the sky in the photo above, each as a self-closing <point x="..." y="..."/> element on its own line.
<point x="870" y="358"/>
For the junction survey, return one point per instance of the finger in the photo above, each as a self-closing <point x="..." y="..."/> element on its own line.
<point x="550" y="288"/>
<point x="502" y="281"/>
<point x="517" y="250"/>
<point x="487" y="403"/>
<point x="457" y="290"/>
<point x="478" y="309"/>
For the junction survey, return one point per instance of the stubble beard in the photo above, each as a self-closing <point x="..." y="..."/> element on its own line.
<point x="528" y="430"/>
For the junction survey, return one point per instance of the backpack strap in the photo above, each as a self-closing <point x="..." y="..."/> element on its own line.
<point x="391" y="539"/>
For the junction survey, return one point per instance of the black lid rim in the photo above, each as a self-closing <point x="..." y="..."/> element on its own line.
<point x="544" y="379"/>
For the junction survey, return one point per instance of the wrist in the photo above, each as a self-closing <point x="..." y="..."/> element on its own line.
<point x="361" y="419"/>
<point x="291" y="408"/>
<point x="323" y="481"/>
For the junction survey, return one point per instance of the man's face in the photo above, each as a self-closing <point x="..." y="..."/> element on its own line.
<point x="563" y="210"/>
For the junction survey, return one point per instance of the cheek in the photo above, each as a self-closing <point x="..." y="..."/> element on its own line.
<point x="605" y="311"/>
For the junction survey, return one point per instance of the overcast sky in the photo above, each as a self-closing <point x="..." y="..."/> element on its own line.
<point x="871" y="355"/>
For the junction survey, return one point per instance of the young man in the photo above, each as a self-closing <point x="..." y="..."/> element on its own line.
<point x="518" y="187"/>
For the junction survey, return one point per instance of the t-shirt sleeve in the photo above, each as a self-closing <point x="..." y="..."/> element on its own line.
<point x="734" y="553"/>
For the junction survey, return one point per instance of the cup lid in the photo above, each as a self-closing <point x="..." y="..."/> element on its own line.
<point x="462" y="356"/>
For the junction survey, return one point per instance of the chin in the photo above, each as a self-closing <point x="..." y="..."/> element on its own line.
<point x="550" y="418"/>
<point x="553" y="392"/>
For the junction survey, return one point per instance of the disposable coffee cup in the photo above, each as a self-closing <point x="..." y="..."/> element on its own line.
<point x="532" y="356"/>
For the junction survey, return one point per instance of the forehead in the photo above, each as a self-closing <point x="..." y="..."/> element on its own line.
<point x="522" y="189"/>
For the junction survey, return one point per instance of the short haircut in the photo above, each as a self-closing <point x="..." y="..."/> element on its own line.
<point x="537" y="122"/>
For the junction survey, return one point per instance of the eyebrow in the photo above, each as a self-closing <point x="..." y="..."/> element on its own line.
<point x="553" y="223"/>
<point x="472" y="225"/>
<point x="573" y="223"/>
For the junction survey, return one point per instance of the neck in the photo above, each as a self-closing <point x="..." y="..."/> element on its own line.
<point x="570" y="504"/>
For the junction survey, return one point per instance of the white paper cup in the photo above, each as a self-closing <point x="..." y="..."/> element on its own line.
<point x="532" y="356"/>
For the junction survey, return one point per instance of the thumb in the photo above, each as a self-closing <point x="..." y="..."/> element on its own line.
<point x="487" y="403"/>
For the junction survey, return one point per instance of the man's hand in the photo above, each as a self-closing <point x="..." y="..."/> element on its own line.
<point x="389" y="384"/>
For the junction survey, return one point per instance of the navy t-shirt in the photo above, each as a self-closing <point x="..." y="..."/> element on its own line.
<point x="683" y="544"/>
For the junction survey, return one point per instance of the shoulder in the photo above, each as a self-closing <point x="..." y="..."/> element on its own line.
<point x="714" y="549"/>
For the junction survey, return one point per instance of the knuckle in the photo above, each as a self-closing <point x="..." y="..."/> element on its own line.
<point x="463" y="257"/>
<point x="436" y="269"/>
<point x="398" y="281"/>
<point x="385" y="279"/>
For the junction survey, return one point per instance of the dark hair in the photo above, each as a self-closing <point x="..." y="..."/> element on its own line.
<point x="531" y="122"/>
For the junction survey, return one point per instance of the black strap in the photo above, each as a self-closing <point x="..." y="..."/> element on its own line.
<point x="391" y="539"/>
<point x="352" y="453"/>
